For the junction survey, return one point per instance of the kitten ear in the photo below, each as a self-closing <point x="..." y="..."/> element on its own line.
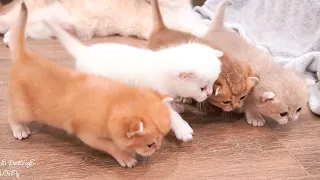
<point x="267" y="96"/>
<point x="254" y="79"/>
<point x="185" y="75"/>
<point x="216" y="92"/>
<point x="218" y="53"/>
<point x="167" y="99"/>
<point x="135" y="127"/>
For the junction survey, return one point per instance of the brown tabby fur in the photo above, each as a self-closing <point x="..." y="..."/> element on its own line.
<point x="280" y="93"/>
<point x="103" y="113"/>
<point x="236" y="79"/>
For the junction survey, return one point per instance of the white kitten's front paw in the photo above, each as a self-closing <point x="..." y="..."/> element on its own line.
<point x="256" y="121"/>
<point x="20" y="131"/>
<point x="125" y="160"/>
<point x="183" y="132"/>
<point x="6" y="38"/>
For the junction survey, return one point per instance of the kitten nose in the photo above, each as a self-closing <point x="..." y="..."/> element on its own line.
<point x="157" y="145"/>
<point x="235" y="106"/>
<point x="210" y="94"/>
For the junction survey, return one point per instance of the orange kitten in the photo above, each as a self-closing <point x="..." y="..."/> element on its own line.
<point x="236" y="79"/>
<point x="105" y="114"/>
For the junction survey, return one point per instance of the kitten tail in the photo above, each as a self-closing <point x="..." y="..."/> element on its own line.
<point x="17" y="38"/>
<point x="218" y="19"/>
<point x="157" y="18"/>
<point x="70" y="43"/>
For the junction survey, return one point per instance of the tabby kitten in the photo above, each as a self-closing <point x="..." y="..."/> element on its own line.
<point x="236" y="79"/>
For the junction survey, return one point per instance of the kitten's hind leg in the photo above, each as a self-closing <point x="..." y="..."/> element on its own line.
<point x="106" y="145"/>
<point x="181" y="128"/>
<point x="254" y="118"/>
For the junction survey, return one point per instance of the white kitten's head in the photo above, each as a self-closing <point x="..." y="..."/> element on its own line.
<point x="193" y="84"/>
<point x="195" y="72"/>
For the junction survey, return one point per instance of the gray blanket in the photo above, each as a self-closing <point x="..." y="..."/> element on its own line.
<point x="287" y="29"/>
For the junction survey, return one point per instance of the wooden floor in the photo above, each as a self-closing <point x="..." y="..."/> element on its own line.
<point x="224" y="147"/>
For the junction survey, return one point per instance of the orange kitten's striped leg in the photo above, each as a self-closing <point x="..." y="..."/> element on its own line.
<point x="103" y="144"/>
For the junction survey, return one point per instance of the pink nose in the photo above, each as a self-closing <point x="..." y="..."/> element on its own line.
<point x="208" y="95"/>
<point x="157" y="145"/>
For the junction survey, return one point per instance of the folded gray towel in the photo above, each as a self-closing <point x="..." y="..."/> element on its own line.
<point x="287" y="29"/>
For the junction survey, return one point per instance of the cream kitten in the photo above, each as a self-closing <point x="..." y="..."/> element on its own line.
<point x="280" y="94"/>
<point x="184" y="71"/>
<point x="91" y="18"/>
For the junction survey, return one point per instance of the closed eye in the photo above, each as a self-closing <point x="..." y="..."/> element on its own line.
<point x="204" y="88"/>
<point x="226" y="102"/>
<point x="298" y="110"/>
<point x="150" y="145"/>
<point x="242" y="97"/>
<point x="283" y="114"/>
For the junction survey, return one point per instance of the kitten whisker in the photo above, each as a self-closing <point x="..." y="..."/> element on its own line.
<point x="210" y="105"/>
<point x="201" y="110"/>
<point x="225" y="116"/>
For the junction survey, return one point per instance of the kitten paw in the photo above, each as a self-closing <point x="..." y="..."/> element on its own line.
<point x="126" y="160"/>
<point x="184" y="132"/>
<point x="20" y="131"/>
<point x="184" y="100"/>
<point x="6" y="38"/>
<point x="179" y="108"/>
<point x="256" y="122"/>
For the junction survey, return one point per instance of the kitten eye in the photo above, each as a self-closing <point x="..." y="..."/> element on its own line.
<point x="298" y="110"/>
<point x="150" y="145"/>
<point x="283" y="114"/>
<point x="204" y="88"/>
<point x="242" y="97"/>
<point x="226" y="102"/>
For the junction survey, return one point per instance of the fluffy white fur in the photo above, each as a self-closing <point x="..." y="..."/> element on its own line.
<point x="183" y="71"/>
<point x="102" y="17"/>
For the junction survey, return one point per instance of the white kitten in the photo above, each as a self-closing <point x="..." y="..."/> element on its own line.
<point x="187" y="70"/>
<point x="102" y="17"/>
